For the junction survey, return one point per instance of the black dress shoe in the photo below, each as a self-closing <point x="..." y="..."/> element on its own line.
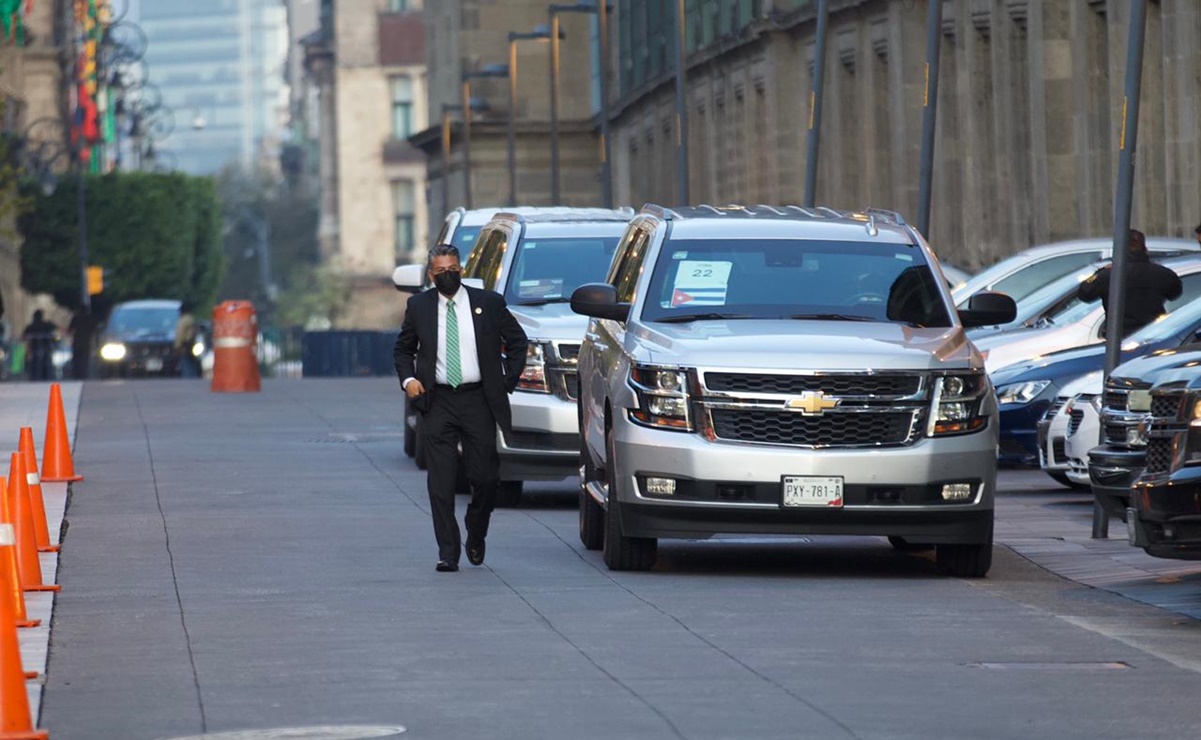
<point x="475" y="552"/>
<point x="446" y="566"/>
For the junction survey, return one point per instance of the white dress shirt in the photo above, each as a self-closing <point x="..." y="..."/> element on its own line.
<point x="469" y="358"/>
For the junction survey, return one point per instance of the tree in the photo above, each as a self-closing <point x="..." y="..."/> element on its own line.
<point x="155" y="234"/>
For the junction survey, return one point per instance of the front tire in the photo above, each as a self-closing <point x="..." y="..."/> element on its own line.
<point x="621" y="552"/>
<point x="592" y="514"/>
<point x="965" y="561"/>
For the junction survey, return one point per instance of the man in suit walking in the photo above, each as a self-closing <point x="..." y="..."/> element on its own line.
<point x="450" y="363"/>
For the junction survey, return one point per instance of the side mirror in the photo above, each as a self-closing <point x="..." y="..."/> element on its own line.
<point x="987" y="308"/>
<point x="599" y="300"/>
<point x="409" y="278"/>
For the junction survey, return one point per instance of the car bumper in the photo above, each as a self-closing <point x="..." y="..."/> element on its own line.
<point x="545" y="440"/>
<point x="1111" y="473"/>
<point x="737" y="488"/>
<point x="1164" y="517"/>
<point x="1019" y="433"/>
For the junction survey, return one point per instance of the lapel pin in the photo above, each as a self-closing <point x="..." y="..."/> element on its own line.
<point x="479" y="311"/>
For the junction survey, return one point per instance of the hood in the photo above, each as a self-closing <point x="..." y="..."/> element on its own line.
<point x="771" y="344"/>
<point x="554" y="321"/>
<point x="1166" y="365"/>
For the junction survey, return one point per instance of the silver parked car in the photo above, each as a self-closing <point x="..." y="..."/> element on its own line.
<point x="783" y="371"/>
<point x="535" y="261"/>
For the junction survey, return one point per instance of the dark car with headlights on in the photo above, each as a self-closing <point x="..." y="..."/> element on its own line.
<point x="138" y="340"/>
<point x="1164" y="516"/>
<point x="1026" y="389"/>
<point x="1115" y="464"/>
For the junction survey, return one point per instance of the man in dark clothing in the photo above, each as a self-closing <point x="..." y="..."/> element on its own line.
<point x="39" y="337"/>
<point x="459" y="354"/>
<point x="1148" y="286"/>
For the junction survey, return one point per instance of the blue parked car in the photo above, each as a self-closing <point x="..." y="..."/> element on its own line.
<point x="1026" y="389"/>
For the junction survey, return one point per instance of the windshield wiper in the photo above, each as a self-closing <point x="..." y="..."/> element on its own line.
<point x="544" y="301"/>
<point x="830" y="317"/>
<point x="684" y="318"/>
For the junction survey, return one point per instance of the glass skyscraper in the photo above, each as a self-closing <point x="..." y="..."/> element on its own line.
<point x="220" y="66"/>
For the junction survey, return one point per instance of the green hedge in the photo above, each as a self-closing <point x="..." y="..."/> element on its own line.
<point x="157" y="235"/>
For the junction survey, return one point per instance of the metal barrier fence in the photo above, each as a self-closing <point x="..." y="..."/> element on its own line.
<point x="296" y="353"/>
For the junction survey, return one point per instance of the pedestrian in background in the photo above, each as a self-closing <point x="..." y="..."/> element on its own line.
<point x="185" y="337"/>
<point x="458" y="356"/>
<point x="1148" y="286"/>
<point x="83" y="331"/>
<point x="40" y="336"/>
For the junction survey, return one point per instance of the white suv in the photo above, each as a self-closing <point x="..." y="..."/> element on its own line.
<point x="783" y="371"/>
<point x="535" y="261"/>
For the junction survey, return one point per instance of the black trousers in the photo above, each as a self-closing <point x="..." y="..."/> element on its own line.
<point x="460" y="416"/>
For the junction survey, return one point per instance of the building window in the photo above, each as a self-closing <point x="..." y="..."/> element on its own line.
<point x="402" y="107"/>
<point x="399" y="6"/>
<point x="404" y="205"/>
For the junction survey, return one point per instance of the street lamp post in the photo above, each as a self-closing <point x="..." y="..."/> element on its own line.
<point x="584" y="6"/>
<point x="490" y="70"/>
<point x="541" y="33"/>
<point x="447" y="108"/>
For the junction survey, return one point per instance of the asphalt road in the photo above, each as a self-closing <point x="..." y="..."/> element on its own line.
<point x="266" y="560"/>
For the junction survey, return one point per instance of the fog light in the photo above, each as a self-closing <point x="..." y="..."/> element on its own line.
<point x="956" y="491"/>
<point x="661" y="486"/>
<point x="1136" y="436"/>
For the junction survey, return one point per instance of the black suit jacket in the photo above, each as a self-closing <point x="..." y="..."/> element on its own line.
<point x="496" y="332"/>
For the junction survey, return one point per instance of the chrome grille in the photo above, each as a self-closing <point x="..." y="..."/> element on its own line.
<point x="889" y="428"/>
<point x="1074" y="421"/>
<point x="573" y="386"/>
<point x="1165" y="406"/>
<point x="832" y="385"/>
<point x="1159" y="454"/>
<point x="563" y="382"/>
<point x="1055" y="406"/>
<point x="1115" y="399"/>
<point x="1116" y="433"/>
<point x="568" y="352"/>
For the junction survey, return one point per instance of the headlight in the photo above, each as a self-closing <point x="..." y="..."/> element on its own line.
<point x="958" y="400"/>
<point x="112" y="351"/>
<point x="198" y="349"/>
<point x="533" y="378"/>
<point x="662" y="394"/>
<point x="1021" y="392"/>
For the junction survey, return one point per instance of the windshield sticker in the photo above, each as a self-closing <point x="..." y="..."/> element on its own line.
<point x="549" y="288"/>
<point x="701" y="283"/>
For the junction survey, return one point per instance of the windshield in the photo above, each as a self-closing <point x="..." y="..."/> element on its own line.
<point x="143" y="321"/>
<point x="703" y="279"/>
<point x="1169" y="325"/>
<point x="549" y="270"/>
<point x="464" y="239"/>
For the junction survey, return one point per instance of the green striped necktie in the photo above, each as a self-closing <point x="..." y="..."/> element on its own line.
<point x="454" y="366"/>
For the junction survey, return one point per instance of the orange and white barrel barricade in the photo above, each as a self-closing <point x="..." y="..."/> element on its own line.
<point x="235" y="359"/>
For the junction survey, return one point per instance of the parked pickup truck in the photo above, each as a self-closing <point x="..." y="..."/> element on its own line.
<point x="763" y="370"/>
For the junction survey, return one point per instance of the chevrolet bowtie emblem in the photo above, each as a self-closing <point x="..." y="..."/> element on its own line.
<point x="812" y="402"/>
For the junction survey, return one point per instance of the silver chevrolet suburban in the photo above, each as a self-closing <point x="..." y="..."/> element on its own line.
<point x="783" y="370"/>
<point x="536" y="260"/>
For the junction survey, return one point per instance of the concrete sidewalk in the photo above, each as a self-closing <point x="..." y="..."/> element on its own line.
<point x="25" y="405"/>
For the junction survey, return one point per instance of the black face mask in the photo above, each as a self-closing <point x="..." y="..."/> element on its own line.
<point x="448" y="283"/>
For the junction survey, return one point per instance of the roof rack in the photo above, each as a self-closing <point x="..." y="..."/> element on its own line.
<point x="567" y="215"/>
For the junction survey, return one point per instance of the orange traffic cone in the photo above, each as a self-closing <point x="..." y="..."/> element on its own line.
<point x="56" y="463"/>
<point x="10" y="577"/>
<point x="15" y="722"/>
<point x="21" y="517"/>
<point x="41" y="529"/>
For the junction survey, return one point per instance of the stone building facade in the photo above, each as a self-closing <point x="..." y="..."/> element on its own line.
<point x="31" y="86"/>
<point x="467" y="35"/>
<point x="367" y="61"/>
<point x="1029" y="112"/>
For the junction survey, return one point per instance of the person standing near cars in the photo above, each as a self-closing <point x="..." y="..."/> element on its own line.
<point x="1148" y="286"/>
<point x="40" y="336"/>
<point x="458" y="356"/>
<point x="185" y="337"/>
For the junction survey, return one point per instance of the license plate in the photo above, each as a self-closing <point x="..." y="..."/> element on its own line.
<point x="809" y="490"/>
<point x="154" y="364"/>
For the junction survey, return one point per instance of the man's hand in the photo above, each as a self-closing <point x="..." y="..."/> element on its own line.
<point x="414" y="388"/>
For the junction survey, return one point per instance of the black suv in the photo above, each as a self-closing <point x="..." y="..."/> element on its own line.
<point x="138" y="340"/>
